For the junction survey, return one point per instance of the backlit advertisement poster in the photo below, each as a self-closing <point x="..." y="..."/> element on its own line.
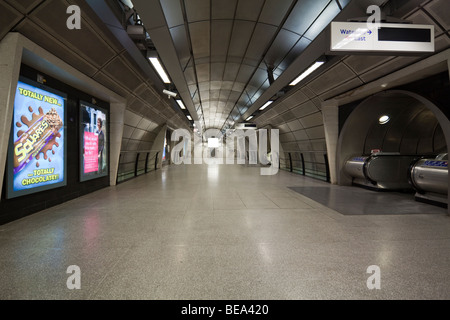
<point x="37" y="148"/>
<point x="93" y="142"/>
<point x="164" y="149"/>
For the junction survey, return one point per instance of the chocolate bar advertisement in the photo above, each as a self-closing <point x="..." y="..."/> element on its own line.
<point x="37" y="154"/>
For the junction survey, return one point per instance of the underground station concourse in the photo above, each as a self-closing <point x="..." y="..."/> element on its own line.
<point x="224" y="150"/>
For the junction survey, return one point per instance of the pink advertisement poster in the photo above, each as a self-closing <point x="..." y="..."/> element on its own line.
<point x="90" y="152"/>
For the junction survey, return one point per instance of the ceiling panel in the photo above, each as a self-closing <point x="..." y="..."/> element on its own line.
<point x="9" y="17"/>
<point x="331" y="78"/>
<point x="284" y="128"/>
<point x="260" y="41"/>
<point x="323" y="20"/>
<point x="223" y="9"/>
<point x="172" y="12"/>
<point x="244" y="74"/>
<point x="234" y="96"/>
<point x="220" y="38"/>
<point x="144" y="124"/>
<point x="205" y="95"/>
<point x="227" y="85"/>
<point x="287" y="116"/>
<point x="203" y="72"/>
<point x="39" y="36"/>
<point x="138" y="106"/>
<point x="295" y="99"/>
<point x="214" y="94"/>
<point x="200" y="38"/>
<point x="106" y="80"/>
<point x="440" y="11"/>
<point x="354" y="83"/>
<point x="316" y="132"/>
<point x="304" y="109"/>
<point x="259" y="77"/>
<point x="137" y="134"/>
<point x="249" y="9"/>
<point x="240" y="38"/>
<point x="131" y="119"/>
<point x="204" y="86"/>
<point x="284" y="42"/>
<point x="442" y="42"/>
<point x="189" y="75"/>
<point x="304" y="145"/>
<point x="197" y="10"/>
<point x="181" y="44"/>
<point x="274" y="11"/>
<point x="304" y="14"/>
<point x="24" y="6"/>
<point x="224" y="94"/>
<point x="312" y="120"/>
<point x="300" y="135"/>
<point x="118" y="69"/>
<point x="127" y="131"/>
<point x="299" y="47"/>
<point x="420" y="17"/>
<point x="389" y="67"/>
<point x="217" y="70"/>
<point x="84" y="41"/>
<point x="294" y="125"/>
<point x="360" y="64"/>
<point x="149" y="96"/>
<point x="231" y="71"/>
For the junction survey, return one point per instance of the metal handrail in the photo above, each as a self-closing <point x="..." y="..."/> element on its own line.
<point x="320" y="151"/>
<point x="140" y="151"/>
<point x="137" y="171"/>
<point x="304" y="171"/>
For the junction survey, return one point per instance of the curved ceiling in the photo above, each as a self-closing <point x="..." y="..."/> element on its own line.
<point x="224" y="49"/>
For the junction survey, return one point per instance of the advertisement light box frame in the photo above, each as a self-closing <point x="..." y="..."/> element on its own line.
<point x="36" y="97"/>
<point x="90" y="176"/>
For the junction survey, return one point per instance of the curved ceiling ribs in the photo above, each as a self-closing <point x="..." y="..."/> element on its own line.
<point x="225" y="48"/>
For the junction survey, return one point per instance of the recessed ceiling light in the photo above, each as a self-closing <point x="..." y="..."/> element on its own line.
<point x="384" y="119"/>
<point x="249" y="118"/>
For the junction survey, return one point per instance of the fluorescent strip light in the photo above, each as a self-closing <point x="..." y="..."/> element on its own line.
<point x="189" y="117"/>
<point x="181" y="104"/>
<point x="157" y="65"/>
<point x="268" y="103"/>
<point x="249" y="118"/>
<point x="307" y="72"/>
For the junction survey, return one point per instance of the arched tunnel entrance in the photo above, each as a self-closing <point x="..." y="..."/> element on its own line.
<point x="383" y="139"/>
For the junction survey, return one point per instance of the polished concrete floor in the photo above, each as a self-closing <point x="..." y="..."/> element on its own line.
<point x="221" y="232"/>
